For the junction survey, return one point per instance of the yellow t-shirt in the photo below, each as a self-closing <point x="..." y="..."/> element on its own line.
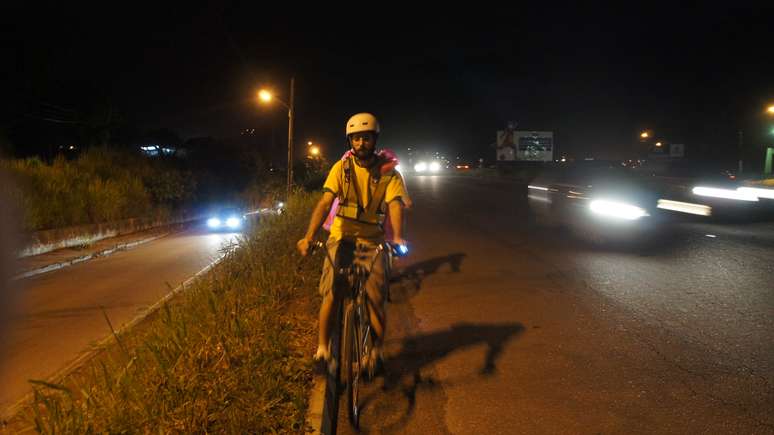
<point x="396" y="190"/>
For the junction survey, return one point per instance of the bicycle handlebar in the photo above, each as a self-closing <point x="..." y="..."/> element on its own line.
<point x="397" y="250"/>
<point x="314" y="245"/>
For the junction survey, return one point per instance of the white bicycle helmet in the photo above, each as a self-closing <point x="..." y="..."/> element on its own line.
<point x="362" y="122"/>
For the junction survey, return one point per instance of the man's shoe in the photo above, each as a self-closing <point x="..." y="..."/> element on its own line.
<point x="322" y="353"/>
<point x="373" y="364"/>
<point x="320" y="367"/>
<point x="323" y="361"/>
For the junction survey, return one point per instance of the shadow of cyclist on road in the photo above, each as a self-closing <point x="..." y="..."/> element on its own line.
<point x="404" y="377"/>
<point x="422" y="350"/>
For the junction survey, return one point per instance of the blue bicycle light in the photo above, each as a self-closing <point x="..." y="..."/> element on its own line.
<point x="403" y="249"/>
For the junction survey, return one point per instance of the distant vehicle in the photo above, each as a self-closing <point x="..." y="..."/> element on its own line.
<point x="429" y="167"/>
<point x="598" y="200"/>
<point x="277" y="209"/>
<point x="226" y="219"/>
<point x="253" y="217"/>
<point x="423" y="162"/>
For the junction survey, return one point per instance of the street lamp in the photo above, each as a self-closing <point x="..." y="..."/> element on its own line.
<point x="314" y="151"/>
<point x="658" y="144"/>
<point x="770" y="110"/>
<point x="644" y="135"/>
<point x="265" y="96"/>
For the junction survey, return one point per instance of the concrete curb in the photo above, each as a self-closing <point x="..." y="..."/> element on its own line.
<point x="41" y="242"/>
<point x="316" y="401"/>
<point x="102" y="253"/>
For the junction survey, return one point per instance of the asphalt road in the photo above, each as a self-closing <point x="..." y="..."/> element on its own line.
<point x="59" y="315"/>
<point x="501" y="326"/>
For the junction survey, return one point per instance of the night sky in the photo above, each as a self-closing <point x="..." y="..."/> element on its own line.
<point x="445" y="79"/>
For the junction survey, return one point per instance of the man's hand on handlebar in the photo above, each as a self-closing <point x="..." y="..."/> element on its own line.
<point x="303" y="246"/>
<point x="308" y="246"/>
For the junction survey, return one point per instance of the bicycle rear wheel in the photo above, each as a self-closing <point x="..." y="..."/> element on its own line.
<point x="352" y="360"/>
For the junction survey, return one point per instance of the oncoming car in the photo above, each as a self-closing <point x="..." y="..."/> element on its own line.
<point x="226" y="219"/>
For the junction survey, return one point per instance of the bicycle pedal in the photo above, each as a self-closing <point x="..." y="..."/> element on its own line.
<point x="332" y="365"/>
<point x="378" y="368"/>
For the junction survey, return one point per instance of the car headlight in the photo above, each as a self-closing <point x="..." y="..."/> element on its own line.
<point x="435" y="167"/>
<point x="616" y="209"/>
<point x="233" y="222"/>
<point x="213" y="222"/>
<point x="757" y="192"/>
<point x="420" y="167"/>
<point x="714" y="192"/>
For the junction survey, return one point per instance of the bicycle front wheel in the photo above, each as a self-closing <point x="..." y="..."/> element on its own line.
<point x="352" y="360"/>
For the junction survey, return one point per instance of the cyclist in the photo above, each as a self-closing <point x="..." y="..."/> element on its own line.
<point x="366" y="188"/>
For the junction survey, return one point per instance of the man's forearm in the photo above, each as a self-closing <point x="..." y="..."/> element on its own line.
<point x="396" y="219"/>
<point x="318" y="217"/>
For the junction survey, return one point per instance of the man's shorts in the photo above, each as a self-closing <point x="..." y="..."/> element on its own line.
<point x="344" y="253"/>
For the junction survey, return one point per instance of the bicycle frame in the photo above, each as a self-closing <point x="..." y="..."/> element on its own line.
<point x="357" y="333"/>
<point x="350" y="341"/>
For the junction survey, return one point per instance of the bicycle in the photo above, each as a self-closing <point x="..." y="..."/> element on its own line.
<point x="352" y="354"/>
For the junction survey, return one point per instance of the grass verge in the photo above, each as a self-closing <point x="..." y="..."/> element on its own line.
<point x="229" y="354"/>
